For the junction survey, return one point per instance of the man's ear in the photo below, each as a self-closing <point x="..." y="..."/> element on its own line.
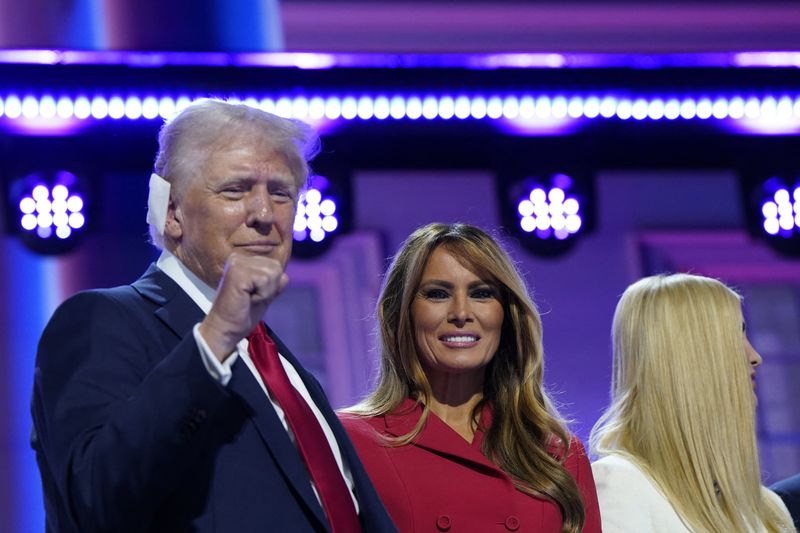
<point x="173" y="228"/>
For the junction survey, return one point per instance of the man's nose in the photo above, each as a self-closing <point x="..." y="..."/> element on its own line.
<point x="259" y="207"/>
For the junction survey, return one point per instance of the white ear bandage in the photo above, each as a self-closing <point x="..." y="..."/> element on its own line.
<point x="158" y="203"/>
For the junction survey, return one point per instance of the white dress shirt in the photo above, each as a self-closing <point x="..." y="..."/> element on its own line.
<point x="203" y="295"/>
<point x="631" y="503"/>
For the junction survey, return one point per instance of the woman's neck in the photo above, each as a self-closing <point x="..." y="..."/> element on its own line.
<point x="454" y="400"/>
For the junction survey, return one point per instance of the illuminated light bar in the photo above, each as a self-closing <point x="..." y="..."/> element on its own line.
<point x="475" y="61"/>
<point x="380" y="107"/>
<point x="767" y="59"/>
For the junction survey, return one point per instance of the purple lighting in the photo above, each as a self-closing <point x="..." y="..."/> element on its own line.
<point x="47" y="211"/>
<point x="781" y="212"/>
<point x="316" y="215"/>
<point x="550" y="212"/>
<point x="306" y="60"/>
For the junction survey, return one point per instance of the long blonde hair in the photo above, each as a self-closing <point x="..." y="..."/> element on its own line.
<point x="525" y="425"/>
<point x="682" y="402"/>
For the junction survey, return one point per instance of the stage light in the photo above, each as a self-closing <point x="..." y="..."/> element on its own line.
<point x="166" y="107"/>
<point x="319" y="217"/>
<point x="382" y="108"/>
<point x="550" y="210"/>
<point x="333" y="108"/>
<point x="447" y="107"/>
<point x="639" y="109"/>
<point x="48" y="211"/>
<point x="413" y="108"/>
<point x="349" y="108"/>
<point x="624" y="109"/>
<point x="365" y="108"/>
<point x="64" y="107"/>
<point x="316" y="108"/>
<point x="397" y="108"/>
<point x="781" y="212"/>
<point x="150" y="108"/>
<point x="774" y="210"/>
<point x="478" y="108"/>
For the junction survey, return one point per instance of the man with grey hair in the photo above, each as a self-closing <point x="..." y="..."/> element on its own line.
<point x="168" y="405"/>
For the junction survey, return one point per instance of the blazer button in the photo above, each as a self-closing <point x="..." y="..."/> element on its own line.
<point x="443" y="523"/>
<point x="512" y="523"/>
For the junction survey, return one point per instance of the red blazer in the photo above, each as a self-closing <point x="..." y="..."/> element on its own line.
<point x="441" y="482"/>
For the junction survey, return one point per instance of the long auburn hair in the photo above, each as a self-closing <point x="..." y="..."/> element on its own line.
<point x="525" y="428"/>
<point x="682" y="405"/>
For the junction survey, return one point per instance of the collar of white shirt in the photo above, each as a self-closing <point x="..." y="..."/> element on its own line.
<point x="197" y="289"/>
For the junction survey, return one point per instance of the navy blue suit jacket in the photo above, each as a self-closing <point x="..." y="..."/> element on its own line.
<point x="789" y="491"/>
<point x="132" y="434"/>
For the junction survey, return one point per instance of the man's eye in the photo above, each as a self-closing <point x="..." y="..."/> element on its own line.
<point x="233" y="192"/>
<point x="281" y="194"/>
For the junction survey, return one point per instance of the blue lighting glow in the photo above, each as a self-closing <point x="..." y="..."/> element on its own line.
<point x="316" y="215"/>
<point x="550" y="211"/>
<point x="779" y="114"/>
<point x="307" y="60"/>
<point x="780" y="209"/>
<point x="47" y="211"/>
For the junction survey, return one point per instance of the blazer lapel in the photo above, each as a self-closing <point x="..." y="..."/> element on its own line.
<point x="274" y="435"/>
<point x="179" y="313"/>
<point x="176" y="309"/>
<point x="439" y="438"/>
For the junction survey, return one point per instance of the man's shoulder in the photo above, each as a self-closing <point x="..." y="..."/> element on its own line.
<point x="142" y="294"/>
<point x="789" y="487"/>
<point x="98" y="298"/>
<point x="153" y="284"/>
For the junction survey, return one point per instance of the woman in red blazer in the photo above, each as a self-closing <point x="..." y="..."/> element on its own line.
<point x="459" y="435"/>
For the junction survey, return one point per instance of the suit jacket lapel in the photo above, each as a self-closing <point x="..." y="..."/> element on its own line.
<point x="372" y="513"/>
<point x="179" y="313"/>
<point x="274" y="435"/>
<point x="176" y="309"/>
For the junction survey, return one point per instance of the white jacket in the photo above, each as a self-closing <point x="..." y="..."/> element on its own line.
<point x="631" y="503"/>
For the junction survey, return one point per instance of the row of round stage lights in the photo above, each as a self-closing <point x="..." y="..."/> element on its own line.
<point x="412" y="107"/>
<point x="315" y="218"/>
<point x="550" y="213"/>
<point x="51" y="212"/>
<point x="782" y="212"/>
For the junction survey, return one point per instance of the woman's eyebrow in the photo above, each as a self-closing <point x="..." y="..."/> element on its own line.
<point x="438" y="282"/>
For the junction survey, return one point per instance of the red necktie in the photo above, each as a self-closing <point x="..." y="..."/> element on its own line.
<point x="308" y="434"/>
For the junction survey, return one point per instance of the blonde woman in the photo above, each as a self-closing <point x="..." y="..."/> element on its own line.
<point x="678" y="442"/>
<point x="459" y="434"/>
